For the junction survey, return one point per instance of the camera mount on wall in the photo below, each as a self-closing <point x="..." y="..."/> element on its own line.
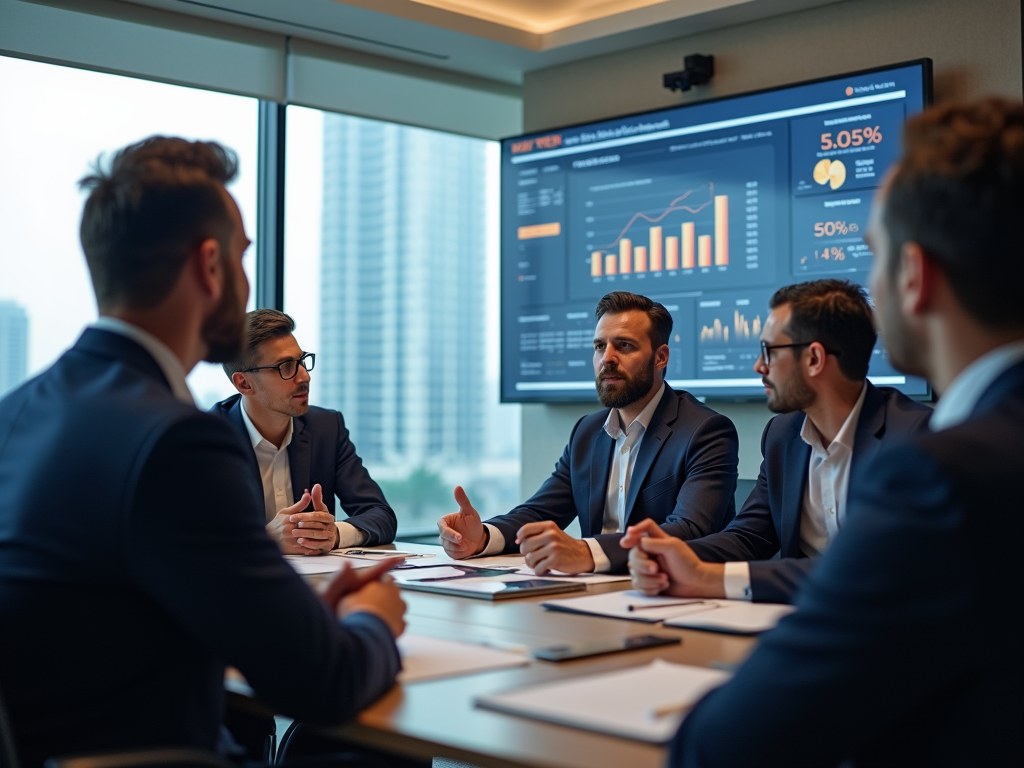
<point x="698" y="70"/>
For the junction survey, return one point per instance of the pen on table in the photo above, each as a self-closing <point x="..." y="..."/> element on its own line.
<point x="501" y="645"/>
<point x="664" y="605"/>
<point x="669" y="709"/>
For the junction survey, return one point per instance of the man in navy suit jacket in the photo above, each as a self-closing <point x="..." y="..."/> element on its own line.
<point x="905" y="645"/>
<point x="652" y="453"/>
<point x="133" y="564"/>
<point x="297" y="448"/>
<point x="815" y="349"/>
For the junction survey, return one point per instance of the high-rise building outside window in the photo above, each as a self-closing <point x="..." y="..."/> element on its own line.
<point x="391" y="272"/>
<point x="54" y="124"/>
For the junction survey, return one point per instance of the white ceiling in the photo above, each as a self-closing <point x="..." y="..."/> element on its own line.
<point x="492" y="39"/>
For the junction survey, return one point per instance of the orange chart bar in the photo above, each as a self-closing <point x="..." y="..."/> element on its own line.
<point x="610" y="265"/>
<point x="671" y="254"/>
<point x="595" y="264"/>
<point x="704" y="251"/>
<point x="640" y="258"/>
<point x="625" y="256"/>
<point x="688" y="261"/>
<point x="656" y="249"/>
<point x="540" y="230"/>
<point x="721" y="230"/>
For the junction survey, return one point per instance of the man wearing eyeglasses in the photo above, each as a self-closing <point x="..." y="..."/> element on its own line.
<point x="302" y="456"/>
<point x="815" y="349"/>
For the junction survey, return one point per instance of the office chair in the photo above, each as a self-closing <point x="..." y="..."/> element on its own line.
<point x="154" y="758"/>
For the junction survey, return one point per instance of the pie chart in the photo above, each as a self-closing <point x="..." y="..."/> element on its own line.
<point x="831" y="172"/>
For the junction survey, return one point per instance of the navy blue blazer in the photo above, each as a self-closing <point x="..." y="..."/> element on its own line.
<point x="322" y="452"/>
<point x="905" y="646"/>
<point x="684" y="477"/>
<point x="769" y="522"/>
<point x="120" y="604"/>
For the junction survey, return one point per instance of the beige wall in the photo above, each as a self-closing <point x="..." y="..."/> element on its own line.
<point x="975" y="45"/>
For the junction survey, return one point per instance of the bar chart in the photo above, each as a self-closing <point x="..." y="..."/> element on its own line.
<point x="678" y="226"/>
<point x="662" y="251"/>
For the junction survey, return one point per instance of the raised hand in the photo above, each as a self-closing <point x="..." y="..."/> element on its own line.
<point x="462" y="533"/>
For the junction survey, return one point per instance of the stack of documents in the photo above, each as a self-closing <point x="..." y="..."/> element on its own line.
<point x="733" y="616"/>
<point x="645" y="703"/>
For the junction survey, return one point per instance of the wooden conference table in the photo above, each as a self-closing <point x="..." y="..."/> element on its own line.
<point x="438" y="718"/>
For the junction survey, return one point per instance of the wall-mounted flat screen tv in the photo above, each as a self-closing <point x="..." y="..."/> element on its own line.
<point x="706" y="208"/>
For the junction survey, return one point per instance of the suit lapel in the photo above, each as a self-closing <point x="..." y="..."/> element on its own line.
<point x="235" y="417"/>
<point x="600" y="468"/>
<point x="797" y="460"/>
<point x="299" y="457"/>
<point x="653" y="441"/>
<point x="870" y="426"/>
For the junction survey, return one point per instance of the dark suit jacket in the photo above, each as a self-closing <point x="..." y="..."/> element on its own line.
<point x="905" y="646"/>
<point x="769" y="522"/>
<point x="684" y="477"/>
<point x="120" y="604"/>
<point x="322" y="452"/>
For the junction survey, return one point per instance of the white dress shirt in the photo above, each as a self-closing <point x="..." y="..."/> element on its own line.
<point x="627" y="448"/>
<point x="824" y="502"/>
<point x="169" y="363"/>
<point x="276" y="476"/>
<point x="965" y="390"/>
<point x="275" y="469"/>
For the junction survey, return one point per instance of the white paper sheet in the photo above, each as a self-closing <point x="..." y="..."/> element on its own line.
<point x="622" y="703"/>
<point x="429" y="658"/>
<point x="735" y="616"/>
<point x="308" y="565"/>
<point x="631" y="605"/>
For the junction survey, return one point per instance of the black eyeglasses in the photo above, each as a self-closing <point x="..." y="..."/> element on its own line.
<point x="288" y="368"/>
<point x="766" y="349"/>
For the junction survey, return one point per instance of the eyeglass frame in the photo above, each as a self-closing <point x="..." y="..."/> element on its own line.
<point x="298" y="361"/>
<point x="767" y="348"/>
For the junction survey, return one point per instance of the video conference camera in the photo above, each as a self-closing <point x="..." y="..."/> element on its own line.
<point x="698" y="70"/>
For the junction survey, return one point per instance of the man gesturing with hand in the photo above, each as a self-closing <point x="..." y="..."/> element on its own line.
<point x="297" y="446"/>
<point x="652" y="453"/>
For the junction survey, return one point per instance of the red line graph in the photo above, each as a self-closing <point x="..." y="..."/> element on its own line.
<point x="673" y="206"/>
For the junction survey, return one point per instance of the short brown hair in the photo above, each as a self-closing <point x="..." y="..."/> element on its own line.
<point x="261" y="325"/>
<point x="958" y="192"/>
<point x="624" y="301"/>
<point x="835" y="313"/>
<point x="159" y="198"/>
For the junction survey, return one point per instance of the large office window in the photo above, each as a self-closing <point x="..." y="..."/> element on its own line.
<point x="391" y="273"/>
<point x="55" y="122"/>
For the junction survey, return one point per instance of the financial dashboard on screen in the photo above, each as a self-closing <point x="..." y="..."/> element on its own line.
<point x="706" y="208"/>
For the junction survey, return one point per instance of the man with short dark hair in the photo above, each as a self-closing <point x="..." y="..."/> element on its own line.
<point x="121" y="604"/>
<point x="297" y="446"/>
<point x="815" y="348"/>
<point x="653" y="453"/>
<point x="905" y="645"/>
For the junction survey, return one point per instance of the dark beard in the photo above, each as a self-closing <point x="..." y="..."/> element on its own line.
<point x="224" y="330"/>
<point x="798" y="397"/>
<point x="633" y="389"/>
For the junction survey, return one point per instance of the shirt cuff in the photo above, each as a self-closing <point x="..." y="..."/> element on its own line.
<point x="496" y="544"/>
<point x="737" y="581"/>
<point x="349" y="535"/>
<point x="601" y="562"/>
